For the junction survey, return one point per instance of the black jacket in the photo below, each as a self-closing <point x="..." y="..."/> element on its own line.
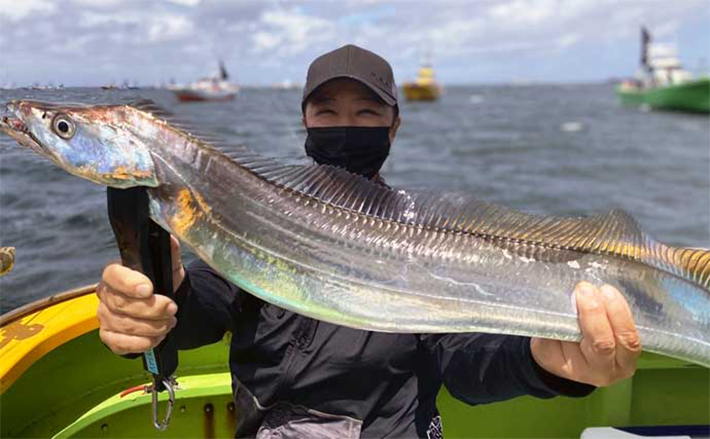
<point x="296" y="376"/>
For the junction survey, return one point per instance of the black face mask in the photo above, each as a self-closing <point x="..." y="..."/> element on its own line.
<point x="360" y="150"/>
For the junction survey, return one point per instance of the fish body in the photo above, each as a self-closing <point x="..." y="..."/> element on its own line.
<point x="336" y="247"/>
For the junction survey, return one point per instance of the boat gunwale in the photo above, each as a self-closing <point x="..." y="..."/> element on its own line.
<point x="44" y="303"/>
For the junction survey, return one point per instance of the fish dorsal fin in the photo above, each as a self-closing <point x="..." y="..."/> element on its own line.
<point x="614" y="233"/>
<point x="207" y="138"/>
<point x="150" y="106"/>
<point x="325" y="183"/>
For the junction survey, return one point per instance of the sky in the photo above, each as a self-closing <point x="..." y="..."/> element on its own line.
<point x="262" y="42"/>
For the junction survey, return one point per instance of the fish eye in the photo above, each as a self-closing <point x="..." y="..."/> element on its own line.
<point x="63" y="126"/>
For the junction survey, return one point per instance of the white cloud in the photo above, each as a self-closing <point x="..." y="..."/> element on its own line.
<point x="566" y="40"/>
<point x="506" y="47"/>
<point x="291" y="31"/>
<point x="73" y="46"/>
<point x="168" y="27"/>
<point x="18" y="9"/>
<point x="524" y="11"/>
<point x="267" y="38"/>
<point x="97" y="3"/>
<point x="93" y="19"/>
<point x="110" y="3"/>
<point x="668" y="29"/>
<point x="185" y="2"/>
<point x="266" y="41"/>
<point x="528" y="27"/>
<point x="456" y="33"/>
<point x="151" y="28"/>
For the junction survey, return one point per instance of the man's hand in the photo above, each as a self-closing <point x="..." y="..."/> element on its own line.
<point x="610" y="343"/>
<point x="131" y="318"/>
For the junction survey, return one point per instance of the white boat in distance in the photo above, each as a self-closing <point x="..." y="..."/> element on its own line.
<point x="215" y="88"/>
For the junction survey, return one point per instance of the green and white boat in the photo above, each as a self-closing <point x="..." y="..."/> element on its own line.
<point x="662" y="84"/>
<point x="59" y="381"/>
<point x="692" y="96"/>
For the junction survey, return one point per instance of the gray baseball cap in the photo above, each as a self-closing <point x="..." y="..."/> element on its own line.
<point x="352" y="62"/>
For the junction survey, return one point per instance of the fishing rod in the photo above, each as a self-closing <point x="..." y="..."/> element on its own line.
<point x="145" y="247"/>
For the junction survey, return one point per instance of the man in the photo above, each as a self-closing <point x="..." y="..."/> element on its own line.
<point x="297" y="377"/>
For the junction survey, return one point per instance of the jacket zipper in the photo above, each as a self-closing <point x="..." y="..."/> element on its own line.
<point x="298" y="344"/>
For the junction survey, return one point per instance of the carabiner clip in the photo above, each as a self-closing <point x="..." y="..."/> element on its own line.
<point x="168" y="384"/>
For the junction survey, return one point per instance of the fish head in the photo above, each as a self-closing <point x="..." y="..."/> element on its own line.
<point x="93" y="142"/>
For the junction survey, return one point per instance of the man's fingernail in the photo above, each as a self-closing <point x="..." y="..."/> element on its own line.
<point x="172" y="308"/>
<point x="143" y="290"/>
<point x="608" y="292"/>
<point x="585" y="289"/>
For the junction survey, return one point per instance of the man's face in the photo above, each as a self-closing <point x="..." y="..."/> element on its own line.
<point x="346" y="102"/>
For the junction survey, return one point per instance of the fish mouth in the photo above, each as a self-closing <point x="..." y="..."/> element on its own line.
<point x="16" y="128"/>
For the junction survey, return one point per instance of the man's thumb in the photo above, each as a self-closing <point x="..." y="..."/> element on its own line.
<point x="178" y="270"/>
<point x="175" y="252"/>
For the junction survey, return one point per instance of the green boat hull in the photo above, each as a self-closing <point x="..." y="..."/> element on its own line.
<point x="73" y="392"/>
<point x="691" y="97"/>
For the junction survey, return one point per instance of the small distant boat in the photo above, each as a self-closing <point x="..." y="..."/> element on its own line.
<point x="41" y="87"/>
<point x="662" y="84"/>
<point x="215" y="88"/>
<point x="286" y="84"/>
<point x="424" y="87"/>
<point x="127" y="86"/>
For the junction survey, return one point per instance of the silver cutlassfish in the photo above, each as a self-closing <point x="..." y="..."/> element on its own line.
<point x="333" y="246"/>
